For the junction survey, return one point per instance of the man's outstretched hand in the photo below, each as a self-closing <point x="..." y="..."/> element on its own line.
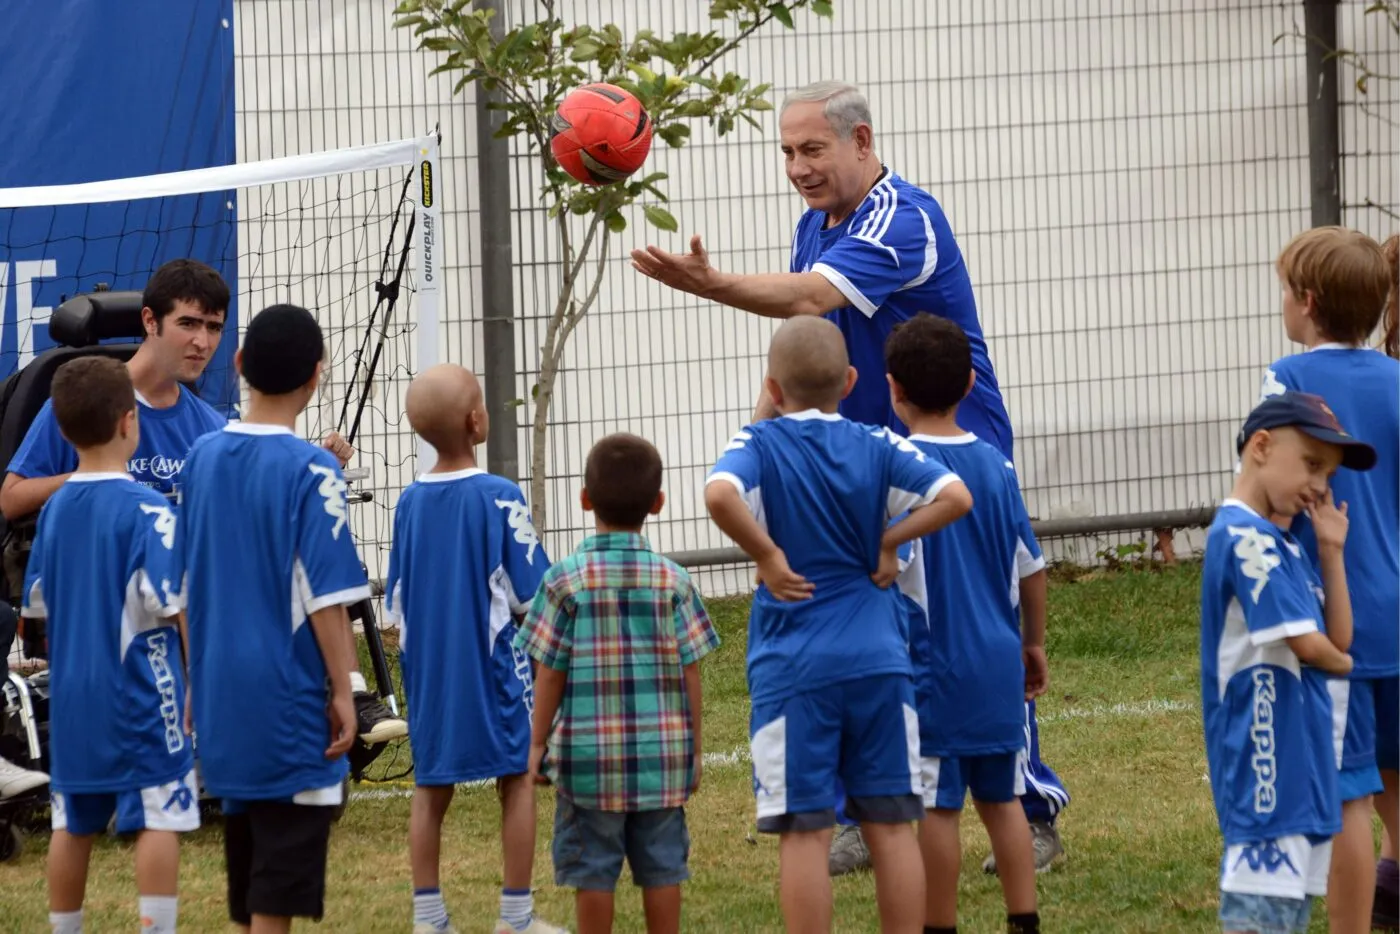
<point x="689" y="272"/>
<point x="338" y="446"/>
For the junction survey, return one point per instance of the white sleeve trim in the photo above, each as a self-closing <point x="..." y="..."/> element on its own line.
<point x="846" y="288"/>
<point x="338" y="598"/>
<point x="1286" y="630"/>
<point x="730" y="478"/>
<point x="34" y="607"/>
<point x="939" y="485"/>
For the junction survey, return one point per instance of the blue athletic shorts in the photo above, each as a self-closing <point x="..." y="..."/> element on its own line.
<point x="992" y="779"/>
<point x="1368" y="709"/>
<point x="173" y="806"/>
<point x="864" y="733"/>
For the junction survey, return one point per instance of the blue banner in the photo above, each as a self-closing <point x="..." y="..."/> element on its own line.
<point x="102" y="90"/>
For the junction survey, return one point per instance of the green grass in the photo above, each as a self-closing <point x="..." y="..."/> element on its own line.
<point x="1121" y="725"/>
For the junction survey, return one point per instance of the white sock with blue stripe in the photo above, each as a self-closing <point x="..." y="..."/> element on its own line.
<point x="429" y="907"/>
<point x="517" y="908"/>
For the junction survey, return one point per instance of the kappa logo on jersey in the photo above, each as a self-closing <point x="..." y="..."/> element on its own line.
<point x="165" y="522"/>
<point x="518" y="518"/>
<point x="737" y="443"/>
<point x="1264" y="761"/>
<point x="1271" y="386"/>
<point x="899" y="441"/>
<point x="332" y="490"/>
<point x="158" y="654"/>
<point x="1267" y="857"/>
<point x="1258" y="554"/>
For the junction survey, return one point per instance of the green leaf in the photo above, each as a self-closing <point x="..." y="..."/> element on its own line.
<point x="660" y="217"/>
<point x="758" y="103"/>
<point x="616" y="222"/>
<point x="586" y="50"/>
<point x="693" y="108"/>
<point x="409" y="6"/>
<point x="674" y="134"/>
<point x="822" y="8"/>
<point x="781" y="13"/>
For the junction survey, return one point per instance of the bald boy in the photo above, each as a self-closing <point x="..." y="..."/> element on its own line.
<point x="464" y="564"/>
<point x="828" y="660"/>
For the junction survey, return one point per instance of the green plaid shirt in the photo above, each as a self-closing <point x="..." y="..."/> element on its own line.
<point x="622" y="621"/>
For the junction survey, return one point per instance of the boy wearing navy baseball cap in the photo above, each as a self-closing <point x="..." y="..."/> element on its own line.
<point x="1272" y="659"/>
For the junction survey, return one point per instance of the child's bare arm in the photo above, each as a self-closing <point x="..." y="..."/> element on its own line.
<point x="952" y="503"/>
<point x="693" y="698"/>
<point x="549" y="694"/>
<point x="1330" y="526"/>
<point x="732" y="516"/>
<point x="331" y="627"/>
<point x="1034" y="594"/>
<point x="1315" y="649"/>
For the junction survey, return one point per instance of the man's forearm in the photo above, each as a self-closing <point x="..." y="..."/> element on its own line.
<point x="22" y="496"/>
<point x="776" y="294"/>
<point x="764" y="409"/>
<point x="331" y="627"/>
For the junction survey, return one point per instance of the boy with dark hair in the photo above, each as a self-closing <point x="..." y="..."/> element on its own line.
<point x="979" y="646"/>
<point x="618" y="632"/>
<point x="1274" y="636"/>
<point x="263" y="516"/>
<point x="1335" y="284"/>
<point x="465" y="560"/>
<point x="117" y="741"/>
<point x="809" y="497"/>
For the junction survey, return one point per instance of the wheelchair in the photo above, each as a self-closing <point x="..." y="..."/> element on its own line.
<point x="103" y="323"/>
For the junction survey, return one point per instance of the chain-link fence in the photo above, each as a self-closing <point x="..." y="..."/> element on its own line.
<point x="1119" y="180"/>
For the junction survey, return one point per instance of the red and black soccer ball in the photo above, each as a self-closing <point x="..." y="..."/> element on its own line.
<point x="600" y="134"/>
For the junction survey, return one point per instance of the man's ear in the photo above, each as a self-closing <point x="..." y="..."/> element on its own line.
<point x="1310" y="303"/>
<point x="584" y="501"/>
<point x="238" y="361"/>
<point x="851" y="377"/>
<point x="127" y="424"/>
<point x="971" y="381"/>
<point x="659" y="504"/>
<point x="150" y="325"/>
<point x="864" y="138"/>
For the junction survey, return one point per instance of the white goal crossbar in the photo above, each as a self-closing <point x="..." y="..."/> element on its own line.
<point x="421" y="153"/>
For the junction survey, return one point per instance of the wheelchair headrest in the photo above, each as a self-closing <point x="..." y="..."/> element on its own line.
<point x="86" y="319"/>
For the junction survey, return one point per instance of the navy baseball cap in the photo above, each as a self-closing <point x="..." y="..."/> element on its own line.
<point x="1310" y="415"/>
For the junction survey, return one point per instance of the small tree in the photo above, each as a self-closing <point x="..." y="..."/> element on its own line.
<point x="1363" y="68"/>
<point x="533" y="67"/>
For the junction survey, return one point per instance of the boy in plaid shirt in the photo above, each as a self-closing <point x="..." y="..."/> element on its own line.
<point x="618" y="632"/>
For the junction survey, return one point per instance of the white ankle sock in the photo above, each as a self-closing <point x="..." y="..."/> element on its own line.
<point x="158" y="913"/>
<point x="357" y="683"/>
<point x="67" y="922"/>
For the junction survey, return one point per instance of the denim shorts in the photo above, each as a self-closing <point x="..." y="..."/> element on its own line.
<point x="589" y="847"/>
<point x="1264" y="914"/>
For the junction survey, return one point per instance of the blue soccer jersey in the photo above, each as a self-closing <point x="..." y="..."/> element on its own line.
<point x="894" y="257"/>
<point x="166" y="438"/>
<point x="969" y="675"/>
<point x="265" y="539"/>
<point x="1268" y="718"/>
<point x="1362" y="387"/>
<point x="465" y="560"/>
<point x="105" y="574"/>
<point x="824" y="488"/>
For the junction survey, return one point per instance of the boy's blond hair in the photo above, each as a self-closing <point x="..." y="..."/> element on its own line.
<point x="1347" y="274"/>
<point x="1390" y="339"/>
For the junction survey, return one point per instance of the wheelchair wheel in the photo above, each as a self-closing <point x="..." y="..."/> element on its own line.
<point x="11" y="842"/>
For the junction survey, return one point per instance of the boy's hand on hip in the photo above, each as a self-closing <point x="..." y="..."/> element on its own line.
<point x="782" y="581"/>
<point x="695" y="782"/>
<point x="537" y="764"/>
<point x="888" y="570"/>
<point x="343" y="723"/>
<point x="1037" y="670"/>
<point x="1329" y="522"/>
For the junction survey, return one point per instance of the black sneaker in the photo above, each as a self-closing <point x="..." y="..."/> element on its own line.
<point x="377" y="724"/>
